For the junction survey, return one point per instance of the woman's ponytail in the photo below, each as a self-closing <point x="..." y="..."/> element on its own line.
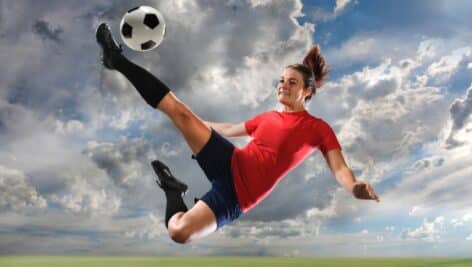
<point x="314" y="70"/>
<point x="316" y="63"/>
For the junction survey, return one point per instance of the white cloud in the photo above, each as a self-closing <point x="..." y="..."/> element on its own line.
<point x="428" y="231"/>
<point x="340" y="5"/>
<point x="460" y="110"/>
<point x="169" y="150"/>
<point x="429" y="49"/>
<point x="376" y="96"/>
<point x="414" y="210"/>
<point x="17" y="194"/>
<point x="467" y="217"/>
<point x="461" y="221"/>
<point x="418" y="115"/>
<point x="122" y="161"/>
<point x="448" y="65"/>
<point x="469" y="238"/>
<point x="69" y="127"/>
<point x="149" y="227"/>
<point x="425" y="163"/>
<point x="320" y="14"/>
<point x="83" y="198"/>
<point x="121" y="120"/>
<point x="370" y="49"/>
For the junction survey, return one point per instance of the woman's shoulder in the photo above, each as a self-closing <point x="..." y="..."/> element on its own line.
<point x="318" y="122"/>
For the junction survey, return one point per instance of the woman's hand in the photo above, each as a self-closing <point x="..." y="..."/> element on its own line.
<point x="362" y="190"/>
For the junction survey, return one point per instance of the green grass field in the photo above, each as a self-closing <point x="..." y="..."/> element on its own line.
<point x="46" y="261"/>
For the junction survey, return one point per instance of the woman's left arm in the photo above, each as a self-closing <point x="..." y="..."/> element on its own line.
<point x="345" y="177"/>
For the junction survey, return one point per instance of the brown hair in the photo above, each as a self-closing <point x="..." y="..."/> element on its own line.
<point x="314" y="70"/>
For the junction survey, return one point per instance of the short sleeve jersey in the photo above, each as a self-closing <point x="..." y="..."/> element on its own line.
<point x="280" y="142"/>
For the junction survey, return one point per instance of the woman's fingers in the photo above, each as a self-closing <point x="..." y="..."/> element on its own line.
<point x="365" y="191"/>
<point x="372" y="195"/>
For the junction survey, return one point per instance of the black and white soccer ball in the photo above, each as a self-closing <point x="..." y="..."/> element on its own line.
<point x="142" y="28"/>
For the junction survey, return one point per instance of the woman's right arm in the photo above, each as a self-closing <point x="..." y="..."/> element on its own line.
<point x="228" y="129"/>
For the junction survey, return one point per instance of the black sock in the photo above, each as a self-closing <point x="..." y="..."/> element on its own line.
<point x="175" y="203"/>
<point x="148" y="86"/>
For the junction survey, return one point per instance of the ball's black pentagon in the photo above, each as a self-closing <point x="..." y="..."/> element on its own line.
<point x="127" y="30"/>
<point x="133" y="9"/>
<point x="148" y="45"/>
<point x="151" y="20"/>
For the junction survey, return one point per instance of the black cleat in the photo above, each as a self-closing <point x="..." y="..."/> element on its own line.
<point x="110" y="48"/>
<point x="166" y="180"/>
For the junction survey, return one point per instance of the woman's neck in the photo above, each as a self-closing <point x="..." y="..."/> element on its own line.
<point x="287" y="108"/>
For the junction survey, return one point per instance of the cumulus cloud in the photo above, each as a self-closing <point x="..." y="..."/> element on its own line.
<point x="368" y="48"/>
<point x="448" y="65"/>
<point x="426" y="163"/>
<point x="414" y="210"/>
<point x="69" y="127"/>
<point x="123" y="161"/>
<point x="429" y="48"/>
<point x="44" y="29"/>
<point x="321" y="14"/>
<point x="262" y="232"/>
<point x="16" y="193"/>
<point x="460" y="112"/>
<point x="340" y="5"/>
<point x="461" y="221"/>
<point x="83" y="198"/>
<point x="382" y="95"/>
<point x="428" y="231"/>
<point x="151" y="228"/>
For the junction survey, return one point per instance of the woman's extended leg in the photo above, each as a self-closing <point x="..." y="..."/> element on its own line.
<point x="154" y="92"/>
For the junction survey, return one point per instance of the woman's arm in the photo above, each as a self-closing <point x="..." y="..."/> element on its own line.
<point x="228" y="129"/>
<point x="345" y="177"/>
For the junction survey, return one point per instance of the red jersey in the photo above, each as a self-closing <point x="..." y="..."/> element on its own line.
<point x="281" y="141"/>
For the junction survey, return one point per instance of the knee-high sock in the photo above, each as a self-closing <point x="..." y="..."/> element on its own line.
<point x="175" y="203"/>
<point x="148" y="85"/>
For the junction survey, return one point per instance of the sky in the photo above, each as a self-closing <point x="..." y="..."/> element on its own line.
<point x="76" y="140"/>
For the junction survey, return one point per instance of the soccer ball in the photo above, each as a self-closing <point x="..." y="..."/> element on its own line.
<point x="142" y="28"/>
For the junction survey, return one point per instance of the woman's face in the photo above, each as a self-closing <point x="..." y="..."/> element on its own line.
<point x="290" y="89"/>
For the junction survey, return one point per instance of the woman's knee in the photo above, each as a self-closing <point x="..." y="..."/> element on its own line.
<point x="182" y="111"/>
<point x="179" y="232"/>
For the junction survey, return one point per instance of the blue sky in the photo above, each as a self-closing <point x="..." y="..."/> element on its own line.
<point x="77" y="140"/>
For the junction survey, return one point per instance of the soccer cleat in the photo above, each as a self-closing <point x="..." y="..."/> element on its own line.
<point x="110" y="48"/>
<point x="166" y="180"/>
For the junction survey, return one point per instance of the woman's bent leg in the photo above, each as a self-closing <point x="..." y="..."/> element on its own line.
<point x="198" y="222"/>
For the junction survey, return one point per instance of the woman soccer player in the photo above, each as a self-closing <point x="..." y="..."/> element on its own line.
<point x="240" y="177"/>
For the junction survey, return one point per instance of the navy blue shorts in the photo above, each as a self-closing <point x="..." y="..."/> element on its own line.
<point x="215" y="161"/>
